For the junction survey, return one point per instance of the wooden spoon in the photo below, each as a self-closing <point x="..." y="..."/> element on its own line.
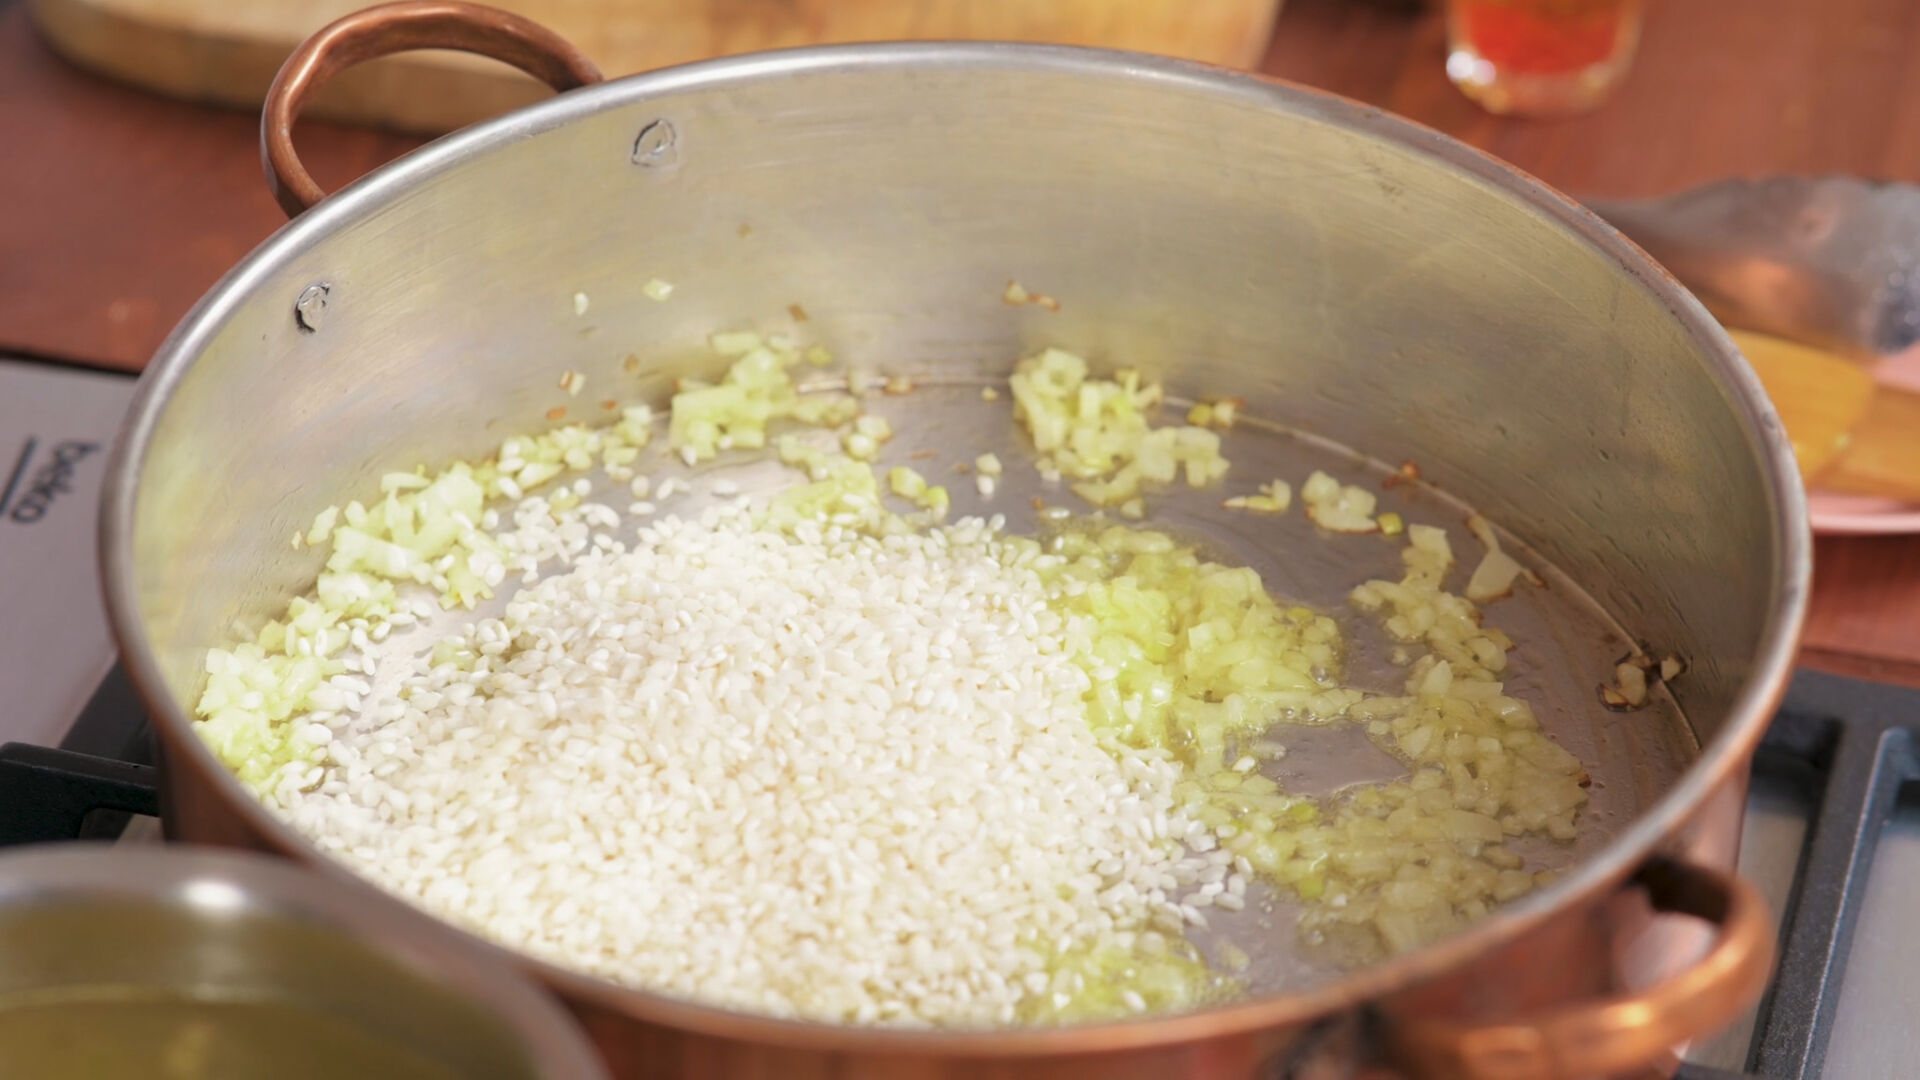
<point x="1850" y="434"/>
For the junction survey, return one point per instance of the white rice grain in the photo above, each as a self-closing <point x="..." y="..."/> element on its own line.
<point x="820" y="774"/>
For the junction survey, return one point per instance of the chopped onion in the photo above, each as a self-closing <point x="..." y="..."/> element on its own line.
<point x="755" y="391"/>
<point x="1493" y="578"/>
<point x="1274" y="498"/>
<point x="1632" y="681"/>
<point x="1096" y="432"/>
<point x="1339" y="508"/>
<point x="905" y="482"/>
<point x="1633" y="678"/>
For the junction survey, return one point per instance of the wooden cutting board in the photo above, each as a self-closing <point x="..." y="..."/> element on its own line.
<point x="225" y="52"/>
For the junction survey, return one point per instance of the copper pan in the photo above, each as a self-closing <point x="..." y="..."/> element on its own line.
<point x="1347" y="272"/>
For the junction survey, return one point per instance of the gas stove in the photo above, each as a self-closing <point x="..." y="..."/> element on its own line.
<point x="1832" y="834"/>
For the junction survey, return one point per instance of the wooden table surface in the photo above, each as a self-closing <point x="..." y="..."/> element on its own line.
<point x="118" y="210"/>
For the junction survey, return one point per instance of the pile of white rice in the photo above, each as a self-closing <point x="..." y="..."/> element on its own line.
<point x="813" y="773"/>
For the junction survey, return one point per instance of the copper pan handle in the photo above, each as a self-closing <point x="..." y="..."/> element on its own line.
<point x="1622" y="1034"/>
<point x="392" y="28"/>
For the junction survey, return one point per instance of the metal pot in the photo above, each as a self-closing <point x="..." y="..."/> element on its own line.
<point x="223" y="959"/>
<point x="1344" y="271"/>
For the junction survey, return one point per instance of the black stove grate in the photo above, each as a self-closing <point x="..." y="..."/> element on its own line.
<point x="87" y="789"/>
<point x="1851" y="745"/>
<point x="1848" y="745"/>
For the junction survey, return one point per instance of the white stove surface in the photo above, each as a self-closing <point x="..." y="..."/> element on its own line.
<point x="56" y="424"/>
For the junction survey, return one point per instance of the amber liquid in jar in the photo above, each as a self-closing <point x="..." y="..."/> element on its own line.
<point x="1540" y="57"/>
